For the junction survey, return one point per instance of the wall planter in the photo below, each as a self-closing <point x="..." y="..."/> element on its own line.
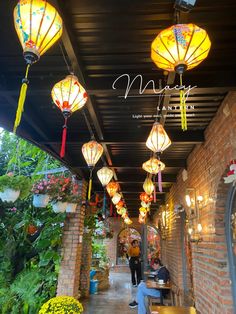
<point x="71" y="207"/>
<point x="9" y="195"/>
<point x="59" y="207"/>
<point x="40" y="200"/>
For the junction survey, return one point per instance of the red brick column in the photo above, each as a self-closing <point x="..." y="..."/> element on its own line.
<point x="86" y="265"/>
<point x="69" y="274"/>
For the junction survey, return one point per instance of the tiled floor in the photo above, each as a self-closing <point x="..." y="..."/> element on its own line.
<point x="115" y="300"/>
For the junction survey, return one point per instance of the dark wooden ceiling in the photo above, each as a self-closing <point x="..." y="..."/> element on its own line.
<point x="102" y="40"/>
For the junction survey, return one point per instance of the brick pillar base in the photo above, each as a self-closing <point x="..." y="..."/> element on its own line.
<point x="69" y="274"/>
<point x="86" y="265"/>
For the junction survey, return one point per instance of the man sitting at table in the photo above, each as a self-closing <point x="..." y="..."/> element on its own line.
<point x="160" y="272"/>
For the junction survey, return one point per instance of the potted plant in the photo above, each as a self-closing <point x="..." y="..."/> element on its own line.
<point x="62" y="304"/>
<point x="72" y="197"/>
<point x="14" y="187"/>
<point x="40" y="190"/>
<point x="59" y="188"/>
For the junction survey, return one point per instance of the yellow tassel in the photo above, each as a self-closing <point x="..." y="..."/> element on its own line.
<point x="90" y="189"/>
<point x="21" y="100"/>
<point x="183" y="107"/>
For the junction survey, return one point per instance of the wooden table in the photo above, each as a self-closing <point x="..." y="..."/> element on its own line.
<point x="154" y="309"/>
<point x="155" y="285"/>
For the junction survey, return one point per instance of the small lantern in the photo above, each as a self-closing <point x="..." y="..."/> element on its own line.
<point x="68" y="95"/>
<point x="141" y="219"/>
<point x="143" y="211"/>
<point x="116" y="198"/>
<point x="105" y="175"/>
<point x="121" y="210"/>
<point x="148" y="186"/>
<point x="119" y="204"/>
<point x="128" y="221"/>
<point x="179" y="48"/>
<point x="153" y="165"/>
<point x="112" y="188"/>
<point x="158" y="140"/>
<point x="91" y="151"/>
<point x="38" y="26"/>
<point x="145" y="197"/>
<point x="145" y="205"/>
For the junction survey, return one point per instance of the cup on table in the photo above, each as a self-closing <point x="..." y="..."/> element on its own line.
<point x="161" y="281"/>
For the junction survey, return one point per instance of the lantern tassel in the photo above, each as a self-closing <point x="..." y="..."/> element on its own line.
<point x="90" y="185"/>
<point x="63" y="143"/>
<point x="183" y="107"/>
<point x="154" y="198"/>
<point x="159" y="181"/>
<point x="21" y="100"/>
<point x="104" y="204"/>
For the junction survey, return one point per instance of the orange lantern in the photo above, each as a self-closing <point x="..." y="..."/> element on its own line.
<point x="68" y="95"/>
<point x="119" y="204"/>
<point x="145" y="197"/>
<point x="38" y="26"/>
<point x="112" y="188"/>
<point x="153" y="165"/>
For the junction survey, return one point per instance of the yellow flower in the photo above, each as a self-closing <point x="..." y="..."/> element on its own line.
<point x="62" y="305"/>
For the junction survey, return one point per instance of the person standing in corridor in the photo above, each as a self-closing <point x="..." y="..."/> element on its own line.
<point x="135" y="262"/>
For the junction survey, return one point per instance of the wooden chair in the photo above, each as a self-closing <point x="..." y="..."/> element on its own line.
<point x="170" y="299"/>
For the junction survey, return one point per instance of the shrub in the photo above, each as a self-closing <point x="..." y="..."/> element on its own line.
<point x="62" y="305"/>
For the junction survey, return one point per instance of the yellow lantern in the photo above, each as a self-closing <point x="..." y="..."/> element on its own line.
<point x="38" y="26"/>
<point x="91" y="151"/>
<point x="179" y="48"/>
<point x="148" y="186"/>
<point x="121" y="210"/>
<point x="68" y="95"/>
<point x="143" y="211"/>
<point x="153" y="165"/>
<point x="105" y="175"/>
<point x="116" y="198"/>
<point x="158" y="140"/>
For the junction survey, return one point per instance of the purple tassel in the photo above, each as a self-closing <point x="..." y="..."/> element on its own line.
<point x="159" y="181"/>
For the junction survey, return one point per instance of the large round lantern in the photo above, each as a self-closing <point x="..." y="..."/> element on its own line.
<point x="38" y="26"/>
<point x="105" y="175"/>
<point x="179" y="48"/>
<point x="68" y="95"/>
<point x="112" y="188"/>
<point x="158" y="140"/>
<point x="91" y="151"/>
<point x="148" y="186"/>
<point x="153" y="165"/>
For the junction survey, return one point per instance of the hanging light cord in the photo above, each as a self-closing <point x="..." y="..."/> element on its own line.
<point x="69" y="67"/>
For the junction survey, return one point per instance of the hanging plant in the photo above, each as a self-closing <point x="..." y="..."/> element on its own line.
<point x="14" y="187"/>
<point x="73" y="197"/>
<point x="41" y="193"/>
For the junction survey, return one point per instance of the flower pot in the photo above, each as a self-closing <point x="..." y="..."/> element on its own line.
<point x="9" y="195"/>
<point x="71" y="207"/>
<point x="40" y="200"/>
<point x="59" y="207"/>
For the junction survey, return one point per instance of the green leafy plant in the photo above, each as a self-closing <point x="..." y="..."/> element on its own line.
<point x="22" y="183"/>
<point x="62" y="304"/>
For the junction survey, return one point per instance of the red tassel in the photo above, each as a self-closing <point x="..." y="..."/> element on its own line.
<point x="111" y="210"/>
<point x="63" y="143"/>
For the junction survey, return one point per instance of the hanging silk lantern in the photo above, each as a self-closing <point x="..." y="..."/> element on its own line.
<point x="141" y="219"/>
<point x="148" y="186"/>
<point x="128" y="221"/>
<point x="91" y="151"/>
<point x="158" y="140"/>
<point x="68" y="95"/>
<point x="116" y="198"/>
<point x="153" y="165"/>
<point x="38" y="26"/>
<point x="112" y="188"/>
<point x="145" y="205"/>
<point x="145" y="197"/>
<point x="121" y="210"/>
<point x="119" y="204"/>
<point x="143" y="211"/>
<point x="179" y="48"/>
<point x="105" y="175"/>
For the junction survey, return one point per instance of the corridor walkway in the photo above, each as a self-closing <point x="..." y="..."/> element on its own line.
<point x="114" y="300"/>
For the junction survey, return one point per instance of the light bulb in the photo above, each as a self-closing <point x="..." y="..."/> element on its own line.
<point x="188" y="200"/>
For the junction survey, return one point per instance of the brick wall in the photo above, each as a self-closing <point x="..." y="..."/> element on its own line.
<point x="69" y="274"/>
<point x="206" y="166"/>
